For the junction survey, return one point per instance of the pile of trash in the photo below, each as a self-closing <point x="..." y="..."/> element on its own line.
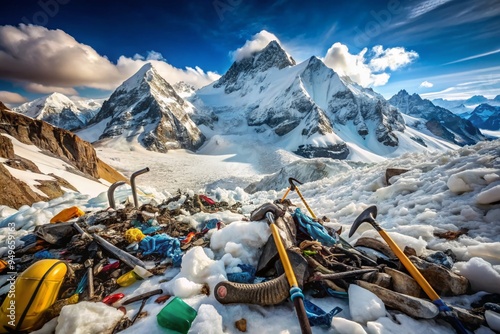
<point x="87" y="257"/>
<point x="79" y="261"/>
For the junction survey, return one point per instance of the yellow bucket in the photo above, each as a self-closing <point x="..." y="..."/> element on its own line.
<point x="34" y="291"/>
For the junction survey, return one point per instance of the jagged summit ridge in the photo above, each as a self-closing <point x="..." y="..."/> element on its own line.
<point x="307" y="105"/>
<point x="272" y="56"/>
<point x="440" y="121"/>
<point x="147" y="107"/>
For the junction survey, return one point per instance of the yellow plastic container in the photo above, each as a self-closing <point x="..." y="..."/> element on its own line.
<point x="138" y="273"/>
<point x="67" y="214"/>
<point x="34" y="291"/>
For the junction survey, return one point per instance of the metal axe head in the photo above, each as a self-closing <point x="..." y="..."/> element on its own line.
<point x="291" y="180"/>
<point x="367" y="216"/>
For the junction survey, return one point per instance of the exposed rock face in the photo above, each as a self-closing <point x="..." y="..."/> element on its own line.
<point x="146" y="106"/>
<point x="272" y="56"/>
<point x="59" y="142"/>
<point x="6" y="148"/>
<point x="56" y="142"/>
<point x="15" y="193"/>
<point x="441" y="122"/>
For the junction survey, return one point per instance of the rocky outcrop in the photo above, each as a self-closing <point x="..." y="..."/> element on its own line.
<point x="52" y="141"/>
<point x="6" y="148"/>
<point x="15" y="193"/>
<point x="59" y="142"/>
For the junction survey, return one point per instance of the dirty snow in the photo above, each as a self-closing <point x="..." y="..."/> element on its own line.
<point x="416" y="205"/>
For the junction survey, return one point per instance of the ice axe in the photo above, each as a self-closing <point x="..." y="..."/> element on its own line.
<point x="293" y="187"/>
<point x="344" y="243"/>
<point x="368" y="216"/>
<point x="295" y="292"/>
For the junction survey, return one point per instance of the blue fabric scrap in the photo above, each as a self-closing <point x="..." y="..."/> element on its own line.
<point x="29" y="239"/>
<point x="163" y="244"/>
<point x="209" y="224"/>
<point x="44" y="254"/>
<point x="247" y="274"/>
<point x="149" y="229"/>
<point x="314" y="229"/>
<point x="318" y="317"/>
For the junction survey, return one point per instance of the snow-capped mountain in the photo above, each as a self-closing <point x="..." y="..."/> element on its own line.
<point x="59" y="110"/>
<point x="440" y="121"/>
<point x="464" y="108"/>
<point x="486" y="116"/>
<point x="146" y="107"/>
<point x="306" y="108"/>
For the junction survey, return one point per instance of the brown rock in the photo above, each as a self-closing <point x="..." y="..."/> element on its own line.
<point x="241" y="325"/>
<point x="15" y="193"/>
<point x="390" y="172"/>
<point x="451" y="235"/>
<point x="443" y="280"/>
<point x="6" y="148"/>
<point x="64" y="144"/>
<point x="414" y="307"/>
<point x="403" y="283"/>
<point x="377" y="245"/>
<point x="23" y="164"/>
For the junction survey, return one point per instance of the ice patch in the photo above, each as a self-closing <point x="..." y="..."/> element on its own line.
<point x="481" y="275"/>
<point x="208" y="321"/>
<point x="87" y="318"/>
<point x="364" y="305"/>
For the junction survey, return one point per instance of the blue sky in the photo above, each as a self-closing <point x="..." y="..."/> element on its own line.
<point x="437" y="48"/>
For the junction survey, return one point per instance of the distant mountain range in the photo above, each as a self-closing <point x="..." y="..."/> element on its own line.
<point x="482" y="112"/>
<point x="61" y="111"/>
<point x="467" y="106"/>
<point x="440" y="121"/>
<point x="305" y="108"/>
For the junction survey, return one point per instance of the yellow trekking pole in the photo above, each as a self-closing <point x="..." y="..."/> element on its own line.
<point x="295" y="291"/>
<point x="343" y="242"/>
<point x="293" y="187"/>
<point x="368" y="216"/>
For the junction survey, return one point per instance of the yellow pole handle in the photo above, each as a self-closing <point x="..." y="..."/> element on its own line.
<point x="290" y="274"/>
<point x="409" y="266"/>
<point x="305" y="203"/>
<point x="285" y="195"/>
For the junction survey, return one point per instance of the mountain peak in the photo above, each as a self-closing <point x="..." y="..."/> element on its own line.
<point x="272" y="56"/>
<point x="144" y="74"/>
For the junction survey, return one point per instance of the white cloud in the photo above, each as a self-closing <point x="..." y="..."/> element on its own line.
<point x="367" y="72"/>
<point x="426" y="84"/>
<point x="425" y="7"/>
<point x="256" y="43"/>
<point x="392" y="58"/>
<point x="42" y="59"/>
<point x="9" y="97"/>
<point x="42" y="89"/>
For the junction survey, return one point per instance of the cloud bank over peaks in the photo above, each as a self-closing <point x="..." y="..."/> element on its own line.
<point x="45" y="60"/>
<point x="368" y="68"/>
<point x="258" y="42"/>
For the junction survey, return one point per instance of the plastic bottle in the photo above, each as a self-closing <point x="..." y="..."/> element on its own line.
<point x="138" y="273"/>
